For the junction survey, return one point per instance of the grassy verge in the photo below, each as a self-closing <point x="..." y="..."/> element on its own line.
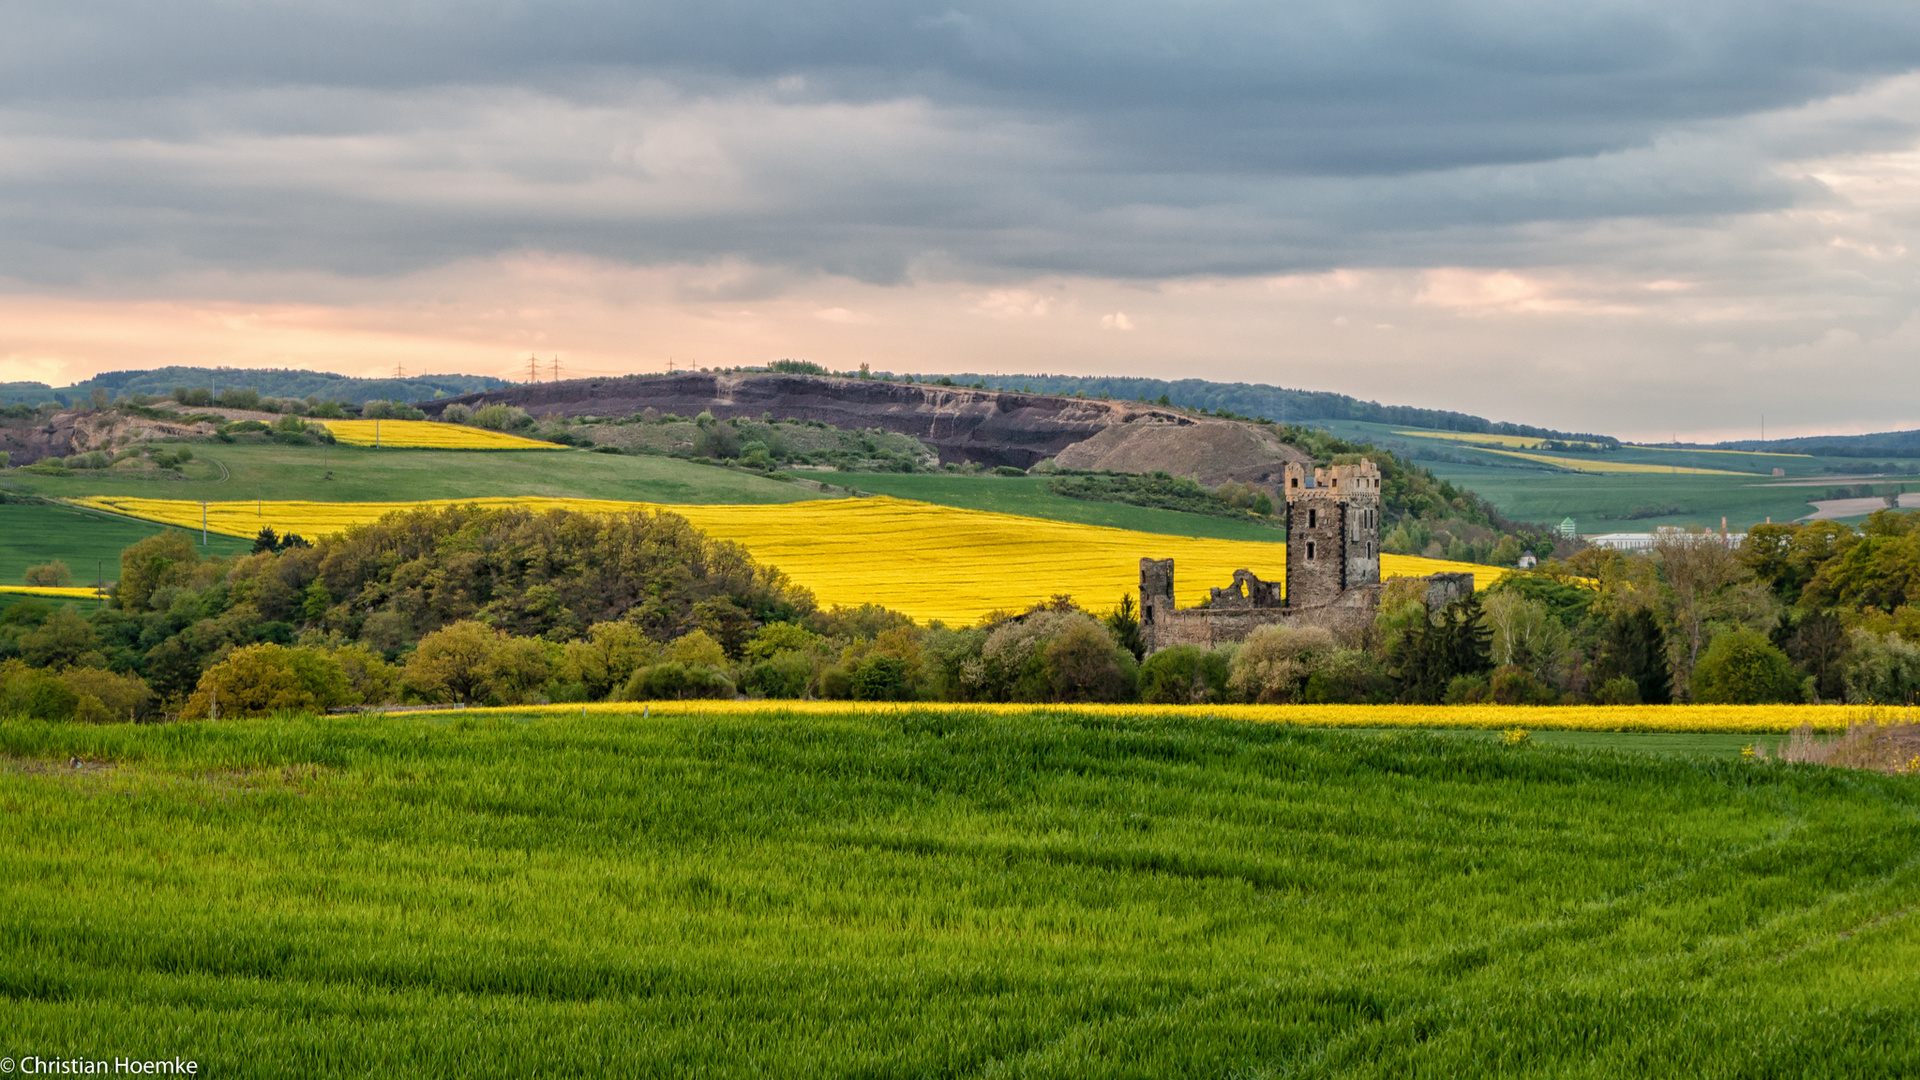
<point x="921" y="893"/>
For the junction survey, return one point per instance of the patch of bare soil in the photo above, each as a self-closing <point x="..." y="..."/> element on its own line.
<point x="1209" y="451"/>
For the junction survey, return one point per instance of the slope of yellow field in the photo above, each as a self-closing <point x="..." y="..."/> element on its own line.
<point x="1523" y="442"/>
<point x="932" y="562"/>
<point x="1594" y="465"/>
<point x="65" y="592"/>
<point x="428" y="435"/>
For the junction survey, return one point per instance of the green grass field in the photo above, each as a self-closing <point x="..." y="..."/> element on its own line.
<point x="1604" y="502"/>
<point x="911" y="894"/>
<point x="363" y="474"/>
<point x="87" y="541"/>
<point x="1028" y="496"/>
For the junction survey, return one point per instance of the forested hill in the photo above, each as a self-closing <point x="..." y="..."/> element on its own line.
<point x="1874" y="445"/>
<point x="1260" y="400"/>
<point x="270" y="382"/>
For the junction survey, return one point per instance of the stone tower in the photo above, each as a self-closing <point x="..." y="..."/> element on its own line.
<point x="1333" y="531"/>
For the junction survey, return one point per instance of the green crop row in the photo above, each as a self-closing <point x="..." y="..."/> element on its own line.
<point x="918" y="894"/>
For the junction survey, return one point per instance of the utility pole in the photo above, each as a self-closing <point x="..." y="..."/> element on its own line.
<point x="203" y="523"/>
<point x="399" y="370"/>
<point x="556" y="367"/>
<point x="533" y="370"/>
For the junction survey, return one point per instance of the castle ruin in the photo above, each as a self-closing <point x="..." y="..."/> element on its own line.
<point x="1332" y="570"/>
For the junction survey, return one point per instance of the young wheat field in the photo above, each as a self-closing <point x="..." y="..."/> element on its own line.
<point x="915" y="893"/>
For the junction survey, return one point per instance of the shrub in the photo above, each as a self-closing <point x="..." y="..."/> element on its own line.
<point x="698" y="649"/>
<point x="785" y="675"/>
<point x="449" y="665"/>
<point x="34" y="694"/>
<point x="1348" y="677"/>
<point x="1741" y="667"/>
<point x="390" y="410"/>
<point x="676" y="681"/>
<point x="1882" y="668"/>
<point x="607" y="658"/>
<point x="456" y="414"/>
<point x="501" y="418"/>
<point x="53" y="573"/>
<point x="259" y="680"/>
<point x="104" y="695"/>
<point x="153" y="563"/>
<point x="878" y="677"/>
<point x="1084" y="663"/>
<point x="1512" y="685"/>
<point x="1275" y="662"/>
<point x="775" y="638"/>
<point x="1183" y="675"/>
<point x="63" y="640"/>
<point x="1619" y="690"/>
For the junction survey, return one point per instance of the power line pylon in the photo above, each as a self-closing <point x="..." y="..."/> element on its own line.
<point x="556" y="367"/>
<point x="533" y="369"/>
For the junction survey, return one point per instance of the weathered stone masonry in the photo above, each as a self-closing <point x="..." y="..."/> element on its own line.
<point x="1332" y="570"/>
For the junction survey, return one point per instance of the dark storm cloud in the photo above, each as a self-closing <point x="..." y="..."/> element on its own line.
<point x="1129" y="139"/>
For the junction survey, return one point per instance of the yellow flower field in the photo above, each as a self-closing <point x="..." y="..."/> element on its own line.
<point x="1521" y="442"/>
<point x="71" y="592"/>
<point x="1596" y="466"/>
<point x="427" y="435"/>
<point x="1739" y="719"/>
<point x="932" y="562"/>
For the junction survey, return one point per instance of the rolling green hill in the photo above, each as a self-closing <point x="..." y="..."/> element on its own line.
<point x="911" y="894"/>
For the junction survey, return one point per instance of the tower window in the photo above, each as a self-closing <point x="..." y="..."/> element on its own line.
<point x="1310" y="546"/>
<point x="1313" y="518"/>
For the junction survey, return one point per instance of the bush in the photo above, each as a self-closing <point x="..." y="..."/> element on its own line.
<point x="1619" y="690"/>
<point x="34" y="694"/>
<point x="259" y="680"/>
<point x="1513" y="685"/>
<point x="1882" y="669"/>
<point x="53" y="573"/>
<point x="390" y="410"/>
<point x="1348" y="677"/>
<point x="501" y="418"/>
<point x="878" y="677"/>
<point x="1741" y="667"/>
<point x="1084" y="663"/>
<point x="456" y="414"/>
<point x="608" y="657"/>
<point x="785" y="675"/>
<point x="1275" y="662"/>
<point x="677" y="682"/>
<point x="104" y="695"/>
<point x="697" y="649"/>
<point x="1183" y="675"/>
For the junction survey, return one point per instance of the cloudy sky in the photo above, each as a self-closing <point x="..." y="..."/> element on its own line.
<point x="1634" y="217"/>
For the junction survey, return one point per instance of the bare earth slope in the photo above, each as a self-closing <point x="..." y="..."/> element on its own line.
<point x="985" y="426"/>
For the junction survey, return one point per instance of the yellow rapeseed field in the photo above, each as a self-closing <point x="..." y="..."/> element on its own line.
<point x="932" y="562"/>
<point x="1522" y="442"/>
<point x="79" y="592"/>
<point x="1738" y="719"/>
<point x="428" y="435"/>
<point x="1594" y="465"/>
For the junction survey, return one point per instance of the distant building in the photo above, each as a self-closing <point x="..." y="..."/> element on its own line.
<point x="1568" y="529"/>
<point x="1527" y="561"/>
<point x="1645" y="541"/>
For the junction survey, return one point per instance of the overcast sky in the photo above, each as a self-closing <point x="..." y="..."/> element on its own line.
<point x="1639" y="218"/>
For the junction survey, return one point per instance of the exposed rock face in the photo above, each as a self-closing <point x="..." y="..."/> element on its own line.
<point x="1210" y="451"/>
<point x="985" y="426"/>
<point x="76" y="432"/>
